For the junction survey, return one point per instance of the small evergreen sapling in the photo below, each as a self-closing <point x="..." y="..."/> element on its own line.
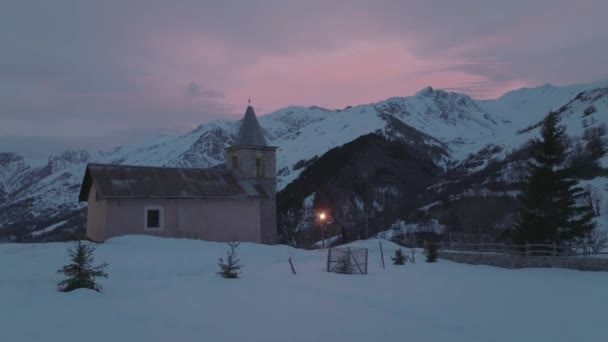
<point x="81" y="273"/>
<point x="430" y="251"/>
<point x="399" y="258"/>
<point x="230" y="267"/>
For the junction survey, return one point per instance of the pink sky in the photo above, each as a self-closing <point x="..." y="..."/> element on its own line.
<point x="131" y="69"/>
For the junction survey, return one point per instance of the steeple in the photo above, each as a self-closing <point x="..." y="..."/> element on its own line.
<point x="252" y="161"/>
<point x="250" y="133"/>
<point x="249" y="154"/>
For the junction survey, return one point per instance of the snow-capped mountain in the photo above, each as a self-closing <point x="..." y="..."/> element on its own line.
<point x="35" y="196"/>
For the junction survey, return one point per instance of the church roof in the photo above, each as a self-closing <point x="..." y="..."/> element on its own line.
<point x="250" y="133"/>
<point x="128" y="181"/>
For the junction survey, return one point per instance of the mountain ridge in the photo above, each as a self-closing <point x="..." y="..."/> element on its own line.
<point x="455" y="121"/>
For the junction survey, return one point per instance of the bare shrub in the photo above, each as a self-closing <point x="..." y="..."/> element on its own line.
<point x="594" y="199"/>
<point x="597" y="241"/>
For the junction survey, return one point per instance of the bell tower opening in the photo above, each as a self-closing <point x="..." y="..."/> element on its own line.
<point x="235" y="161"/>
<point x="259" y="166"/>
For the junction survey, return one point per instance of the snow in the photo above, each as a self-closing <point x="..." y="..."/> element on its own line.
<point x="49" y="228"/>
<point x="599" y="187"/>
<point x="404" y="227"/>
<point x="327" y="242"/>
<point x="526" y="106"/>
<point x="167" y="290"/>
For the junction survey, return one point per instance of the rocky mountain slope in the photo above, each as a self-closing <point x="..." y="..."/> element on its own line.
<point x="459" y="136"/>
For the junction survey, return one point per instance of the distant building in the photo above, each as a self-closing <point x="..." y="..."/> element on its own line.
<point x="210" y="204"/>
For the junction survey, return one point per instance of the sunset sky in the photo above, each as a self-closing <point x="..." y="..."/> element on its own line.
<point x="90" y="73"/>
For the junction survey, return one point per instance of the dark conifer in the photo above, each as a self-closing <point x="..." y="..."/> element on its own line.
<point x="431" y="251"/>
<point x="399" y="258"/>
<point x="81" y="273"/>
<point x="550" y="209"/>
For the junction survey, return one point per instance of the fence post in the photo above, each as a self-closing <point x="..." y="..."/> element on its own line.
<point x="381" y="254"/>
<point x="527" y="249"/>
<point x="554" y="250"/>
<point x="366" y="253"/>
<point x="328" y="258"/>
<point x="349" y="260"/>
<point x="293" y="270"/>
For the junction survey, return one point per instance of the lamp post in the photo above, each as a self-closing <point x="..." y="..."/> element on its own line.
<point x="322" y="218"/>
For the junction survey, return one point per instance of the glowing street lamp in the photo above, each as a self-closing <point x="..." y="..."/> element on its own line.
<point x="322" y="218"/>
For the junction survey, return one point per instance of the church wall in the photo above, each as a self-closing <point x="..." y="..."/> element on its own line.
<point x="96" y="216"/>
<point x="268" y="209"/>
<point x="206" y="219"/>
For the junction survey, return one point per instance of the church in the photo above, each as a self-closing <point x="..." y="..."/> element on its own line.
<point x="215" y="204"/>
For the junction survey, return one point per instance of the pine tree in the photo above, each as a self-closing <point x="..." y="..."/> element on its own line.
<point x="431" y="251"/>
<point x="399" y="258"/>
<point x="81" y="273"/>
<point x="230" y="267"/>
<point x="550" y="211"/>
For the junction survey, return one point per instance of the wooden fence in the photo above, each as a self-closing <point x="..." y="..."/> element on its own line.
<point x="528" y="250"/>
<point x="536" y="249"/>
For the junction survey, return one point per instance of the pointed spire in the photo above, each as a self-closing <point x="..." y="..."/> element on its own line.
<point x="250" y="133"/>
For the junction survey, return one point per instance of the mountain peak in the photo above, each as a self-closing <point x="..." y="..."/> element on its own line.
<point x="428" y="90"/>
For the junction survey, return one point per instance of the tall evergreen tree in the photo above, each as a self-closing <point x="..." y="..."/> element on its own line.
<point x="551" y="210"/>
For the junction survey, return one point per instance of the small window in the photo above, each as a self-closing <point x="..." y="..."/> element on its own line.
<point x="154" y="217"/>
<point x="259" y="167"/>
<point x="235" y="161"/>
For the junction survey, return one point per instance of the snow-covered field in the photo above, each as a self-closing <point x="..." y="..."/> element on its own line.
<point x="167" y="290"/>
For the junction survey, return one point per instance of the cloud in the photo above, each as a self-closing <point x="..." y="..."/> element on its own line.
<point x="194" y="90"/>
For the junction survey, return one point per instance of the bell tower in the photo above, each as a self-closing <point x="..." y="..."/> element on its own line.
<point x="250" y="158"/>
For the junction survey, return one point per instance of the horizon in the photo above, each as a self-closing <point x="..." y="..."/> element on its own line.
<point x="123" y="71"/>
<point x="29" y="146"/>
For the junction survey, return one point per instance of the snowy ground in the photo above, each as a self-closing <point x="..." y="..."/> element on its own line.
<point x="166" y="290"/>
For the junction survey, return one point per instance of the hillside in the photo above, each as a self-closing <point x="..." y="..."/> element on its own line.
<point x="167" y="290"/>
<point x="470" y="139"/>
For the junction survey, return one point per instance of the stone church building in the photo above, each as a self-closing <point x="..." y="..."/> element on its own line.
<point x="238" y="201"/>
